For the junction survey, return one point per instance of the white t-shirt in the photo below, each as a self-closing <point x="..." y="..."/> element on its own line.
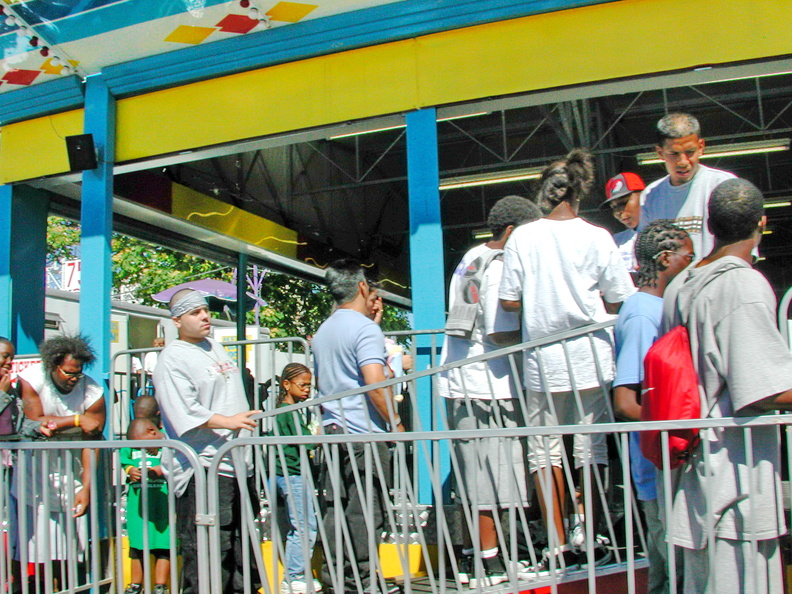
<point x="193" y="382"/>
<point x="486" y="379"/>
<point x="625" y="241"/>
<point x="740" y="359"/>
<point x="84" y="395"/>
<point x="150" y="361"/>
<point x="686" y="204"/>
<point x="558" y="269"/>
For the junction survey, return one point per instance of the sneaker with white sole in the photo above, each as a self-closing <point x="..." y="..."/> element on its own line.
<point x="494" y="573"/>
<point x="299" y="586"/>
<point x="558" y="562"/>
<point x="465" y="568"/>
<point x="603" y="552"/>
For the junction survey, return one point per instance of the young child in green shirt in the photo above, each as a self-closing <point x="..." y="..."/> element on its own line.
<point x="294" y="483"/>
<point x="158" y="521"/>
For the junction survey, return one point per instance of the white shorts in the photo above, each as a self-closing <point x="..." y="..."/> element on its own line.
<point x="563" y="408"/>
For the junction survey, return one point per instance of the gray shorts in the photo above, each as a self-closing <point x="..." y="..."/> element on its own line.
<point x="489" y="471"/>
<point x="737" y="569"/>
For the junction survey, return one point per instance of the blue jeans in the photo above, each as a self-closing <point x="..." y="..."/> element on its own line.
<point x="301" y="537"/>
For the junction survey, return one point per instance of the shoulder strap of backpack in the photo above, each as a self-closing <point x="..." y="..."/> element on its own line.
<point x="461" y="319"/>
<point x="5" y="400"/>
<point x="685" y="321"/>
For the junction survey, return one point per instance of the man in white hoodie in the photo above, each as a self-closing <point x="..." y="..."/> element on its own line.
<point x="733" y="495"/>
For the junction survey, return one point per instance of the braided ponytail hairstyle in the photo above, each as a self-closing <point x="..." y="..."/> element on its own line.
<point x="659" y="236"/>
<point x="567" y="180"/>
<point x="289" y="372"/>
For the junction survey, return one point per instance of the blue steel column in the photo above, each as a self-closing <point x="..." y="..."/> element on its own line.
<point x="426" y="264"/>
<point x="96" y="281"/>
<point x="6" y="195"/>
<point x="23" y="260"/>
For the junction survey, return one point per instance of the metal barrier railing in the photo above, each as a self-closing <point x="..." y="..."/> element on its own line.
<point x="430" y="561"/>
<point x="48" y="546"/>
<point x="394" y="534"/>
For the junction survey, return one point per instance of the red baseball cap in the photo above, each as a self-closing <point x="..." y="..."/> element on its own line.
<point x="622" y="185"/>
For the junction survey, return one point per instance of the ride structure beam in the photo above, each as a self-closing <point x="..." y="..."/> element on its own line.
<point x="96" y="284"/>
<point x="427" y="275"/>
<point x="23" y="251"/>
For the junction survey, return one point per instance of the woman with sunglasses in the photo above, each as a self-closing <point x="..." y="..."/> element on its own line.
<point x="57" y="393"/>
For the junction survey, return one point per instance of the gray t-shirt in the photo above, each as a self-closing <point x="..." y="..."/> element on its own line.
<point x="344" y="343"/>
<point x="686" y="204"/>
<point x="192" y="383"/>
<point x="740" y="359"/>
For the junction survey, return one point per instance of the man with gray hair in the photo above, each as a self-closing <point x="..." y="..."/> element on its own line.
<point x="349" y="353"/>
<point x="682" y="195"/>
<point x="203" y="404"/>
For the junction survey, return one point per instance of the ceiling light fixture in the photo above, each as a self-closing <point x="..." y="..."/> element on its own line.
<point x="372" y="131"/>
<point x="727" y="150"/>
<point x="462" y="117"/>
<point x="399" y="126"/>
<point x="482" y="234"/>
<point x="778" y="203"/>
<point x="486" y="179"/>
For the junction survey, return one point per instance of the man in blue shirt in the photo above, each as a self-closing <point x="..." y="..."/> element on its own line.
<point x="349" y="353"/>
<point x="662" y="250"/>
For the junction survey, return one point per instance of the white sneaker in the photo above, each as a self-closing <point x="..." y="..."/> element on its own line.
<point x="577" y="536"/>
<point x="299" y="587"/>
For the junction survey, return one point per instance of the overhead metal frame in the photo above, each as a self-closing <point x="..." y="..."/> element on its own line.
<point x="577" y="116"/>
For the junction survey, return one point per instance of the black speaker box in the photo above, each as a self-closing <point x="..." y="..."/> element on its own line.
<point x="82" y="154"/>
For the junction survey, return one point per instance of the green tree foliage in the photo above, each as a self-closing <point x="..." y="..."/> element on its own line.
<point x="63" y="238"/>
<point x="140" y="269"/>
<point x="143" y="269"/>
<point x="297" y="307"/>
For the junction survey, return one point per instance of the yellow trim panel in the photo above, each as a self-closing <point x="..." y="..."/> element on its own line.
<point x="37" y="148"/>
<point x="601" y="42"/>
<point x="229" y="220"/>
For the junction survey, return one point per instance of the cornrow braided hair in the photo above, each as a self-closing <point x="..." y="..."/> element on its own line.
<point x="659" y="236"/>
<point x="289" y="372"/>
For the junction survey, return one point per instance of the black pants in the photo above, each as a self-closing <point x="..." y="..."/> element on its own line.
<point x="231" y="545"/>
<point x="350" y="504"/>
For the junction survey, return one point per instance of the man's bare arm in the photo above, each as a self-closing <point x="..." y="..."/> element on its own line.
<point x="381" y="398"/>
<point x="238" y="421"/>
<point x="625" y="402"/>
<point x="92" y="420"/>
<point x="782" y="401"/>
<point x="505" y="338"/>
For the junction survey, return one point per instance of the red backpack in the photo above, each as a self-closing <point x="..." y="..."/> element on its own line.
<point x="670" y="392"/>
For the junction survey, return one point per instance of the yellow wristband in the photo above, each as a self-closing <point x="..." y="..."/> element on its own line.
<point x="76" y="420"/>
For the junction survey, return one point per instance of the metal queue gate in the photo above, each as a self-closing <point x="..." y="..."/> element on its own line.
<point x="411" y="543"/>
